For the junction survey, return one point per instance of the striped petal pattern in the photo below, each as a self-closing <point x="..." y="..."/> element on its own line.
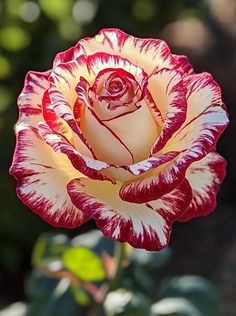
<point x="143" y="226"/>
<point x="123" y="132"/>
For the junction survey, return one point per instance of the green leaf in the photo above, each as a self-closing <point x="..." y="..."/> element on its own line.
<point x="176" y="306"/>
<point x="123" y="302"/>
<point x="197" y="290"/>
<point x="84" y="264"/>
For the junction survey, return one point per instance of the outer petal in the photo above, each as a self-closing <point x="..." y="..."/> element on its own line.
<point x="184" y="66"/>
<point x="162" y="179"/>
<point x="195" y="140"/>
<point x="159" y="181"/>
<point x="60" y="126"/>
<point x="206" y="119"/>
<point x="204" y="177"/>
<point x="202" y="91"/>
<point x="69" y="55"/>
<point x="143" y="226"/>
<point x="168" y="92"/>
<point x="42" y="177"/>
<point x="88" y="166"/>
<point x="135" y="171"/>
<point x="199" y="136"/>
<point x="147" y="53"/>
<point x="30" y="99"/>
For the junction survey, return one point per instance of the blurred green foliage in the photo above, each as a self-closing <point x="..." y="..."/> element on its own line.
<point x="65" y="278"/>
<point x="31" y="33"/>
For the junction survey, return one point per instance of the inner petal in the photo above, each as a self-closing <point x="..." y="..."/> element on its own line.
<point x="122" y="138"/>
<point x="115" y="86"/>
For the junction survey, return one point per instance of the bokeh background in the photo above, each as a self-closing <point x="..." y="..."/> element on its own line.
<point x="32" y="32"/>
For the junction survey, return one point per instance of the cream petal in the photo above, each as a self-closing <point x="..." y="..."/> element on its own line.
<point x="205" y="177"/>
<point x="142" y="225"/>
<point x="42" y="176"/>
<point x="146" y="53"/>
<point x="138" y="130"/>
<point x="107" y="146"/>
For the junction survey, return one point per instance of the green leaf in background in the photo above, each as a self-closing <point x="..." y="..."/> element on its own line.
<point x="144" y="10"/>
<point x="49" y="248"/>
<point x="176" y="306"/>
<point x="84" y="264"/>
<point x="56" y="9"/>
<point x="13" y="7"/>
<point x="5" y="68"/>
<point x="69" y="29"/>
<point x="14" y="38"/>
<point x="5" y="96"/>
<point x="199" y="291"/>
<point x="123" y="302"/>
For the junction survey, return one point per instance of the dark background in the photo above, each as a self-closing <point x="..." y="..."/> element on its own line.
<point x="32" y="32"/>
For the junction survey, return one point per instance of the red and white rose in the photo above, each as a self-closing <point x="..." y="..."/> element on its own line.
<point x="123" y="132"/>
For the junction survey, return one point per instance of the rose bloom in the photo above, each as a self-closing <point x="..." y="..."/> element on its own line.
<point x="123" y="132"/>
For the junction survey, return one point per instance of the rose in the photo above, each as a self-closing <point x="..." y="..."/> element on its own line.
<point x="123" y="132"/>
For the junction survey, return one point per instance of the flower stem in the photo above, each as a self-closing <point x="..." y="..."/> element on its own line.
<point x="119" y="255"/>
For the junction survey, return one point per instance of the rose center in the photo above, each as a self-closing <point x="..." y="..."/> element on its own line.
<point x="115" y="86"/>
<point x="116" y="120"/>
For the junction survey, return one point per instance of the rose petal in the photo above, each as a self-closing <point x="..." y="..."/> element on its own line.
<point x="109" y="104"/>
<point x="202" y="91"/>
<point x="65" y="77"/>
<point x="123" y="145"/>
<point x="134" y="171"/>
<point x="60" y="126"/>
<point x="69" y="55"/>
<point x="143" y="226"/>
<point x="63" y="101"/>
<point x="138" y="130"/>
<point x="42" y="176"/>
<point x="184" y="65"/>
<point x="193" y="141"/>
<point x="99" y="61"/>
<point x="200" y="135"/>
<point x="206" y="118"/>
<point x="168" y="92"/>
<point x="204" y="177"/>
<point x="117" y="141"/>
<point x="107" y="145"/>
<point x="30" y="99"/>
<point x="146" y="53"/>
<point x="86" y="165"/>
<point x="160" y="181"/>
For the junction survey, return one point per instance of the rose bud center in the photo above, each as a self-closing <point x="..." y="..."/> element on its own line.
<point x="115" y="86"/>
<point x="116" y="120"/>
